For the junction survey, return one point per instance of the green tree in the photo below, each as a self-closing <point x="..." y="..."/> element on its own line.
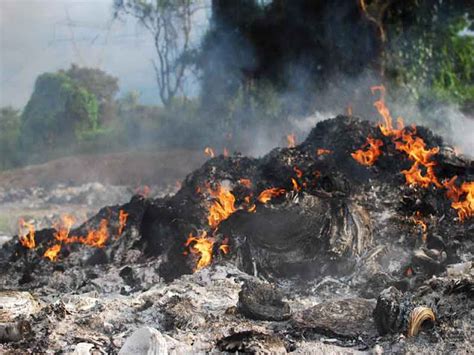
<point x="9" y="133"/>
<point x="56" y="114"/>
<point x="99" y="83"/>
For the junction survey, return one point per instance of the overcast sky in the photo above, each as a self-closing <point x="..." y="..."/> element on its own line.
<point x="38" y="36"/>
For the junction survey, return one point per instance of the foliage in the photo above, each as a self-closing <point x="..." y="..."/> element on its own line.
<point x="169" y="22"/>
<point x="426" y="49"/>
<point x="9" y="133"/>
<point x="56" y="113"/>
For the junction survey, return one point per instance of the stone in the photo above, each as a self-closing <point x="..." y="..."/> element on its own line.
<point x="262" y="302"/>
<point x="346" y="319"/>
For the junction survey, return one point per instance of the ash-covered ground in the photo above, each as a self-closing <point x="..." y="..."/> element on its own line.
<point x="342" y="257"/>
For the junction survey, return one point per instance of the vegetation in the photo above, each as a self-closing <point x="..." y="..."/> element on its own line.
<point x="259" y="63"/>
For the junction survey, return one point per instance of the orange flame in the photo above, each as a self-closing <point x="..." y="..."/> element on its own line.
<point x="418" y="219"/>
<point x="246" y="182"/>
<point x="322" y="151"/>
<point x="123" y="216"/>
<point x="209" y="152"/>
<point x="291" y="140"/>
<point x="97" y="237"/>
<point x="369" y="156"/>
<point x="52" y="252"/>
<point x="386" y="127"/>
<point x="298" y="172"/>
<point x="201" y="245"/>
<point x="296" y="187"/>
<point x="225" y="248"/>
<point x="28" y="239"/>
<point x="416" y="150"/>
<point x="226" y="152"/>
<point x="63" y="228"/>
<point x="268" y="194"/>
<point x="465" y="208"/>
<point x="222" y="207"/>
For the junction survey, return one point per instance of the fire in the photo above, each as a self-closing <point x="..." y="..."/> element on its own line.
<point x="296" y="187"/>
<point x="201" y="245"/>
<point x="386" y="127"/>
<point x="464" y="208"/>
<point x="122" y="222"/>
<point x="298" y="172"/>
<point x="226" y="152"/>
<point x="52" y="252"/>
<point x="415" y="148"/>
<point x="246" y="182"/>
<point x="209" y="152"/>
<point x="291" y="140"/>
<point x="225" y="246"/>
<point x="418" y="219"/>
<point x="28" y="239"/>
<point x="407" y="142"/>
<point x="268" y="194"/>
<point x="369" y="156"/>
<point x="63" y="228"/>
<point x="97" y="237"/>
<point x="349" y="110"/>
<point x="452" y="191"/>
<point x="322" y="151"/>
<point x="222" y="207"/>
<point x="249" y="205"/>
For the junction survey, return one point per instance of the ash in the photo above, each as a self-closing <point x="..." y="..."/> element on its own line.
<point x="337" y="262"/>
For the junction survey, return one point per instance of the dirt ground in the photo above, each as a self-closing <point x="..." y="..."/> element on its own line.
<point x="81" y="185"/>
<point x="131" y="169"/>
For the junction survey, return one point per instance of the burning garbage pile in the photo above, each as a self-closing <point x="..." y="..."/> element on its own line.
<point x="360" y="236"/>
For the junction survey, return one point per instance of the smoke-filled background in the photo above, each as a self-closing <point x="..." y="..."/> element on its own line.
<point x="88" y="77"/>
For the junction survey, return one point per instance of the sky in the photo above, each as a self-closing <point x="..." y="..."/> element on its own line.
<point x="38" y="36"/>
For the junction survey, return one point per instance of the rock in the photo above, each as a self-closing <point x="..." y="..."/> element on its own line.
<point x="15" y="304"/>
<point x="250" y="342"/>
<point x="262" y="302"/>
<point x="348" y="319"/>
<point x="83" y="349"/>
<point x="149" y="341"/>
<point x="387" y="311"/>
<point x="15" y="309"/>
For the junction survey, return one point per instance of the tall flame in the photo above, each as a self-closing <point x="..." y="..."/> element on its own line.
<point x="291" y="140"/>
<point x="369" y="156"/>
<point x="209" y="152"/>
<point x="464" y="208"/>
<point x="28" y="239"/>
<point x="222" y="207"/>
<point x="123" y="216"/>
<point x="201" y="245"/>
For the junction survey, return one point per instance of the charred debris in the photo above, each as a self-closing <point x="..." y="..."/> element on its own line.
<point x="360" y="236"/>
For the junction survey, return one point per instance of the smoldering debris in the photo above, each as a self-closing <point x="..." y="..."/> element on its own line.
<point x="292" y="251"/>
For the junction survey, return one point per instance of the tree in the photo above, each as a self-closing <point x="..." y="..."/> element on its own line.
<point x="170" y="23"/>
<point x="58" y="110"/>
<point x="9" y="132"/>
<point x="99" y="83"/>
